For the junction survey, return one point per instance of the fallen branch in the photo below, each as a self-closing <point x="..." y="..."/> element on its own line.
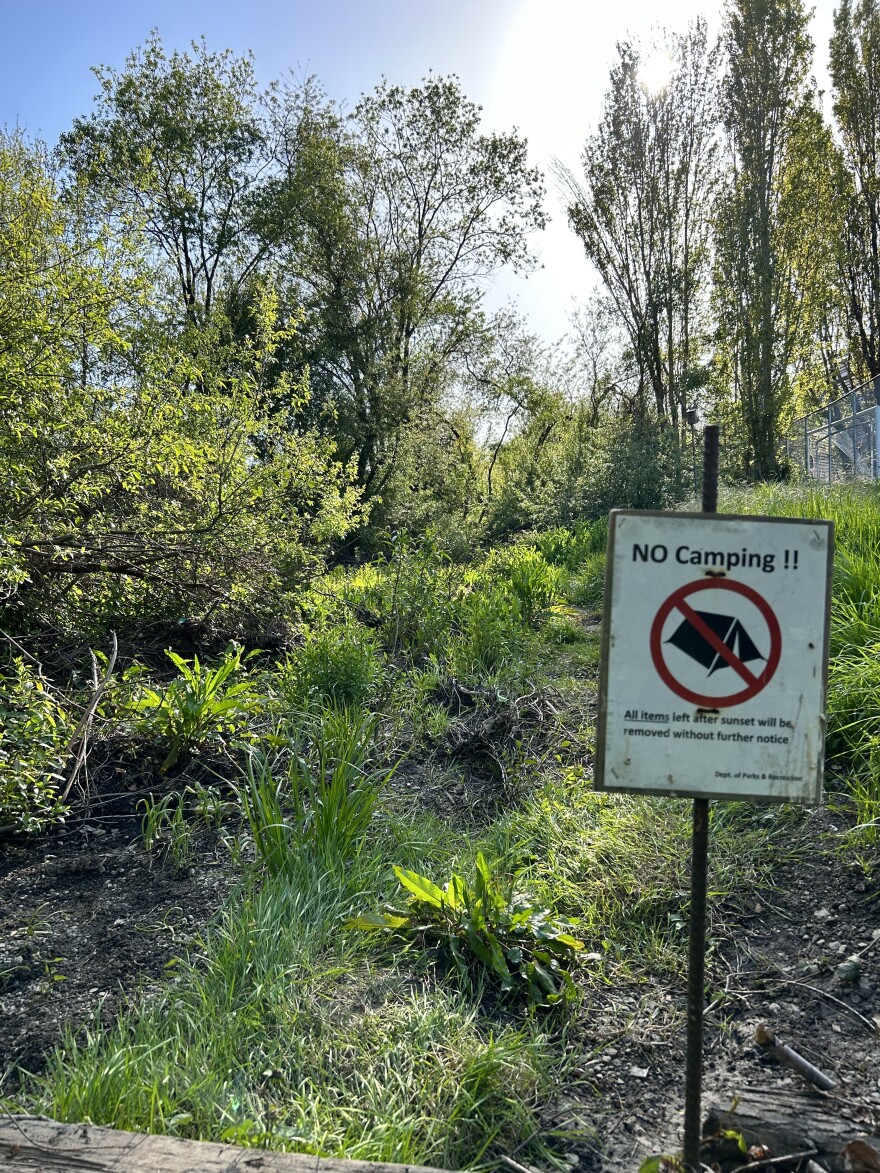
<point x="80" y="734"/>
<point x="872" y="1027"/>
<point x="770" y="1162"/>
<point x="516" y="1166"/>
<point x="768" y="1042"/>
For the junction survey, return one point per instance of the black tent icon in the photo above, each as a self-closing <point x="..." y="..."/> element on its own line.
<point x="728" y="629"/>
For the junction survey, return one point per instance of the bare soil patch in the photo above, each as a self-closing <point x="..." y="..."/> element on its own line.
<point x="86" y="917"/>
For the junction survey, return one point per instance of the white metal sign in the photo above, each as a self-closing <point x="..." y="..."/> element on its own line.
<point x="714" y="657"/>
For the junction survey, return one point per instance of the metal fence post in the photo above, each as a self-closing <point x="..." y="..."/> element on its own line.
<point x="855" y="452"/>
<point x="829" y="443"/>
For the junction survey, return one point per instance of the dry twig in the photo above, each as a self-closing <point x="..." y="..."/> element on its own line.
<point x="80" y="734"/>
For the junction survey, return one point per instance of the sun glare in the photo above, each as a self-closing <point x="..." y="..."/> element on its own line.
<point x="656" y="71"/>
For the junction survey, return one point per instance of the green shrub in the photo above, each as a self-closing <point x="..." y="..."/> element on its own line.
<point x="570" y="547"/>
<point x="523" y="948"/>
<point x="490" y="632"/>
<point x="413" y="596"/>
<point x="533" y="581"/>
<point x="198" y="706"/>
<point x="35" y="735"/>
<point x="586" y="586"/>
<point x="336" y="665"/>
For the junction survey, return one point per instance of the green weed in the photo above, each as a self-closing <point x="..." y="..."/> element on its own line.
<point x="320" y="798"/>
<point x="337" y="665"/>
<point x="199" y="705"/>
<point x="524" y="948"/>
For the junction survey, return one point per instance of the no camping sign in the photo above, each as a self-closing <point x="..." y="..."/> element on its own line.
<point x="714" y="656"/>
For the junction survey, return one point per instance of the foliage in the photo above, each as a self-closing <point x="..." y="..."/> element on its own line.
<point x="199" y="706"/>
<point x="164" y="825"/>
<point x="759" y="285"/>
<point x="175" y="147"/>
<point x="854" y="56"/>
<point x="524" y="948"/>
<point x="339" y="664"/>
<point x="643" y="212"/>
<point x="413" y="206"/>
<point x="490" y="632"/>
<point x="145" y="483"/>
<point x="413" y="596"/>
<point x="245" y="1046"/>
<point x="318" y="798"/>
<point x="533" y="582"/>
<point x="853" y="676"/>
<point x="35" y="737"/>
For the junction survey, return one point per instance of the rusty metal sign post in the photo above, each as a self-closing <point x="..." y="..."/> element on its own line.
<point x="712" y="681"/>
<point x="693" y="1078"/>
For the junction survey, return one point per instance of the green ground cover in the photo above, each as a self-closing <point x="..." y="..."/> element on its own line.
<point x="436" y="718"/>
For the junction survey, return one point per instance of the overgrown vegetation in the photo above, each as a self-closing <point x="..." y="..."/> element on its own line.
<point x="853" y="709"/>
<point x="346" y="530"/>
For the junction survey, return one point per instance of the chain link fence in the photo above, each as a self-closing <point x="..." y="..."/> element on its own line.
<point x="841" y="441"/>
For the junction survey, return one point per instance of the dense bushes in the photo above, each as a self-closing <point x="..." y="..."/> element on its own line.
<point x="387" y="631"/>
<point x="35" y="736"/>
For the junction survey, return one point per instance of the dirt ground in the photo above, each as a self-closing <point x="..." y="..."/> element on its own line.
<point x="87" y="917"/>
<point x="784" y="965"/>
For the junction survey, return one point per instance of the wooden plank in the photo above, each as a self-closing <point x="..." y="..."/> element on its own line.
<point x="29" y="1142"/>
<point x="790" y="1120"/>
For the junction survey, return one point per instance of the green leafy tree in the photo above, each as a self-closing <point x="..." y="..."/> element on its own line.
<point x="768" y="111"/>
<point x="176" y="148"/>
<point x="127" y="497"/>
<point x="642" y="212"/>
<point x="855" y="75"/>
<point x="417" y="206"/>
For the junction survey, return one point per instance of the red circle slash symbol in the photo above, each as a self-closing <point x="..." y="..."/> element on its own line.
<point x="713" y="648"/>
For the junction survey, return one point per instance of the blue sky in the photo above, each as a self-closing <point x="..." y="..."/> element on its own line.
<point x="538" y="64"/>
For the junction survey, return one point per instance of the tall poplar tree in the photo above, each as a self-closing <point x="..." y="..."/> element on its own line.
<point x="855" y="75"/>
<point x="764" y="96"/>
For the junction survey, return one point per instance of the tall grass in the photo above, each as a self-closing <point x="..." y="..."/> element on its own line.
<point x="854" y="669"/>
<point x="281" y="1032"/>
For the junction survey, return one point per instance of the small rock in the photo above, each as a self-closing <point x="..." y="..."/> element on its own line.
<point x="639" y="1072"/>
<point x="849" y="971"/>
<point x="875" y="936"/>
<point x="821" y="914"/>
<point x="833" y="946"/>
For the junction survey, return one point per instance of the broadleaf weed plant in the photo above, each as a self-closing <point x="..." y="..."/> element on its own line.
<point x="523" y="948"/>
<point x="198" y="705"/>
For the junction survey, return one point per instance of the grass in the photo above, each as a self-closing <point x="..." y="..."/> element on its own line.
<point x="854" y="668"/>
<point x="281" y="1028"/>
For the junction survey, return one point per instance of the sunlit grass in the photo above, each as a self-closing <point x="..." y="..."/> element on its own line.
<point x="282" y="1029"/>
<point x="854" y="668"/>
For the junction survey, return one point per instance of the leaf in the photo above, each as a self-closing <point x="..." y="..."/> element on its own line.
<point x="569" y="941"/>
<point x="370" y="921"/>
<point x="456" y="893"/>
<point x="660" y="1163"/>
<point x="421" y="887"/>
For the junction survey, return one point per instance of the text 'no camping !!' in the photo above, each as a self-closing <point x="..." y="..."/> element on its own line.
<point x="714" y="656"/>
